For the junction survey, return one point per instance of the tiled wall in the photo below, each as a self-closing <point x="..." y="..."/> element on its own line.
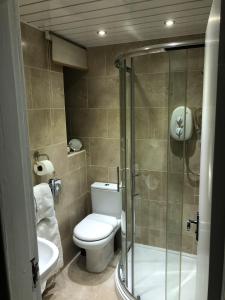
<point x="47" y="132"/>
<point x="93" y="110"/>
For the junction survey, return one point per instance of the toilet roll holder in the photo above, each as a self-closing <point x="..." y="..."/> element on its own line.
<point x="55" y="184"/>
<point x="37" y="155"/>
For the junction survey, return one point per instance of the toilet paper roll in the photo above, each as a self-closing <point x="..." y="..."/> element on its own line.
<point x="43" y="167"/>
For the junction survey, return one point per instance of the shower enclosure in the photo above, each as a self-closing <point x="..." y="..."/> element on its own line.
<point x="160" y="155"/>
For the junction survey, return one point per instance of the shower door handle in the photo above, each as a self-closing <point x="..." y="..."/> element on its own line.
<point x="118" y="178"/>
<point x="196" y="222"/>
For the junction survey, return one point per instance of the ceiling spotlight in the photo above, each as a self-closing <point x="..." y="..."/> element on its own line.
<point x="147" y="48"/>
<point x="169" y="23"/>
<point x="102" y="33"/>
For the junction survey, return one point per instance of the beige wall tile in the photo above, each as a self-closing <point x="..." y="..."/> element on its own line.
<point x="152" y="63"/>
<point x="196" y="58"/>
<point x="194" y="88"/>
<point x="58" y="125"/>
<point x="97" y="61"/>
<point x="76" y="90"/>
<point x="142" y="184"/>
<point x="83" y="180"/>
<point x="151" y="237"/>
<point x="112" y="52"/>
<point x="112" y="175"/>
<point x="104" y="152"/>
<point x="89" y="122"/>
<point x="63" y="220"/>
<point x="158" y="123"/>
<point x="175" y="187"/>
<point x="39" y="128"/>
<point x="174" y="218"/>
<point x="77" y="160"/>
<point x="187" y="244"/>
<point x="177" y="89"/>
<point x="193" y="151"/>
<point x="151" y="214"/>
<point x="28" y="86"/>
<point x="96" y="173"/>
<point x="34" y="47"/>
<point x="157" y="215"/>
<point x="151" y="154"/>
<point x="113" y="123"/>
<point x="69" y="249"/>
<point x="78" y="210"/>
<point x="59" y="158"/>
<point x="178" y="60"/>
<point x="174" y="242"/>
<point x="175" y="157"/>
<point x="156" y="238"/>
<point x="142" y="123"/>
<point x="157" y="186"/>
<point x="190" y="185"/>
<point x="57" y="90"/>
<point x="71" y="187"/>
<point x="40" y="83"/>
<point x="151" y="90"/>
<point x="103" y="92"/>
<point x="86" y="145"/>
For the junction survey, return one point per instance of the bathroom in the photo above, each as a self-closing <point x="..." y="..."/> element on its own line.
<point x="116" y="113"/>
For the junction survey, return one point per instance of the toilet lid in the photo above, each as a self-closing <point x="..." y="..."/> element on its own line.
<point x="95" y="227"/>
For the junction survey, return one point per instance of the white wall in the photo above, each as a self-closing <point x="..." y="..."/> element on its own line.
<point x="207" y="148"/>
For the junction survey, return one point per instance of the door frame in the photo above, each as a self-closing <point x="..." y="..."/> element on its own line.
<point x="16" y="196"/>
<point x="217" y="239"/>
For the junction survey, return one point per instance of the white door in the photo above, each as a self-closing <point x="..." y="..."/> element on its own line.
<point x="207" y="148"/>
<point x="16" y="197"/>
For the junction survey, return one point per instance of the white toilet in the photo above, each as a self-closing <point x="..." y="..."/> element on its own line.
<point x="96" y="232"/>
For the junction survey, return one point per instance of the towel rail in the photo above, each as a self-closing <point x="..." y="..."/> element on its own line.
<point x="55" y="185"/>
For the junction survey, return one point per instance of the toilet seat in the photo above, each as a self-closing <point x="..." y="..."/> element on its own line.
<point x="95" y="227"/>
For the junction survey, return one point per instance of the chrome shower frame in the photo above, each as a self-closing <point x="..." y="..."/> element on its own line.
<point x="120" y="62"/>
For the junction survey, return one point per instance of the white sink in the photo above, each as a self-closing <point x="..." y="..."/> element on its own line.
<point x="48" y="257"/>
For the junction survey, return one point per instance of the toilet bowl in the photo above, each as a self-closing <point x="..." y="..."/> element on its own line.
<point x="96" y="232"/>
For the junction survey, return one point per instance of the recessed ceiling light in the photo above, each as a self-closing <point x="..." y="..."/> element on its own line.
<point x="102" y="33"/>
<point x="169" y="23"/>
<point x="147" y="48"/>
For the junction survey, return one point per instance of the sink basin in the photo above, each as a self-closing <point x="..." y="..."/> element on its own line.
<point x="48" y="257"/>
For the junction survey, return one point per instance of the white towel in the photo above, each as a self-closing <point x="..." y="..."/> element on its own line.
<point x="47" y="225"/>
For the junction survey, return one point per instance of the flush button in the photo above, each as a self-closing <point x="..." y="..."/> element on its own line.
<point x="106" y="184"/>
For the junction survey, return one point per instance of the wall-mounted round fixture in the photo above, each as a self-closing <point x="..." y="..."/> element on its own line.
<point x="169" y="23"/>
<point x="102" y="33"/>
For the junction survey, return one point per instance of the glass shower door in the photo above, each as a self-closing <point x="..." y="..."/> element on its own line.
<point x="150" y="107"/>
<point x="175" y="174"/>
<point x="125" y="173"/>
